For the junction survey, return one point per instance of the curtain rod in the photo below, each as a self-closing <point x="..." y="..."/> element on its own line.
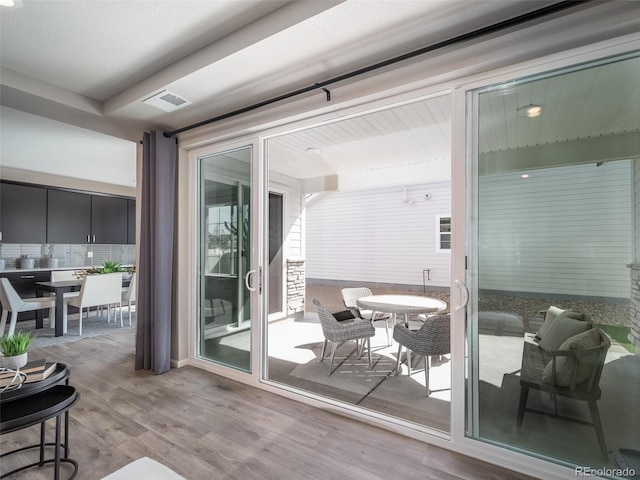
<point x="496" y="27"/>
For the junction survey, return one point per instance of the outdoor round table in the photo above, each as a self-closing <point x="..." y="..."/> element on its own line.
<point x="401" y="304"/>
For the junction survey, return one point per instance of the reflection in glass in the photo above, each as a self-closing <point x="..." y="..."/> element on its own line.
<point x="225" y="310"/>
<point x="554" y="243"/>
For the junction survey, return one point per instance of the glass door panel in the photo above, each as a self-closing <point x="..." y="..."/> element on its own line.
<point x="361" y="199"/>
<point x="225" y="260"/>
<point x="552" y="227"/>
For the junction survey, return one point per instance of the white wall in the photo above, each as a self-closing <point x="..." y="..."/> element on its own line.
<point x="563" y="230"/>
<point x="374" y="236"/>
<point x="293" y="201"/>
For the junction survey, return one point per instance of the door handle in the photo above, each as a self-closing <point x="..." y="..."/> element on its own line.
<point x="247" y="279"/>
<point x="463" y="295"/>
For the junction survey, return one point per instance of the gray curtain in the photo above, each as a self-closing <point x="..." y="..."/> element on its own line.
<point x="157" y="242"/>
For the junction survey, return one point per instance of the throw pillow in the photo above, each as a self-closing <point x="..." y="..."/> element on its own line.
<point x="552" y="314"/>
<point x="344" y="315"/>
<point x="562" y="328"/>
<point x="565" y="365"/>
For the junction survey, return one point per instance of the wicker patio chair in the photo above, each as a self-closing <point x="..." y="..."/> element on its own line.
<point x="339" y="332"/>
<point x="433" y="338"/>
<point x="351" y="295"/>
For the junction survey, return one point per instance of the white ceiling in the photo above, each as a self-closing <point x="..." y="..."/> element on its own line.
<point x="86" y="66"/>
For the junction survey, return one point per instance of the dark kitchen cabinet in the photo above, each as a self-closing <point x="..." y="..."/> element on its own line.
<point x="131" y="222"/>
<point x="109" y="219"/>
<point x="79" y="218"/>
<point x="69" y="217"/>
<point x="23" y="213"/>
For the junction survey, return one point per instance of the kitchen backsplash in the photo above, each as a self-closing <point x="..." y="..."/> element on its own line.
<point x="71" y="256"/>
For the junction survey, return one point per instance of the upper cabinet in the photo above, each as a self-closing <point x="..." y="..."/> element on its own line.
<point x="131" y="219"/>
<point x="69" y="217"/>
<point x="23" y="213"/>
<point x="31" y="214"/>
<point x="108" y="219"/>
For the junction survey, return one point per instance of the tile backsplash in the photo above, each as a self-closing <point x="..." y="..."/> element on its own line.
<point x="69" y="256"/>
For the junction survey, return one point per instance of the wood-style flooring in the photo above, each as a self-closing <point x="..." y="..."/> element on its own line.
<point x="205" y="427"/>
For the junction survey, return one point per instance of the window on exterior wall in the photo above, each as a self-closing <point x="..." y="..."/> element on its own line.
<point x="443" y="233"/>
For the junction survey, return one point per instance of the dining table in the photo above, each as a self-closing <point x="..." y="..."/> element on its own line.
<point x="60" y="287"/>
<point x="402" y="304"/>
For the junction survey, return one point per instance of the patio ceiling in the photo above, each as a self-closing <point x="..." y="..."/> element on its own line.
<point x="597" y="105"/>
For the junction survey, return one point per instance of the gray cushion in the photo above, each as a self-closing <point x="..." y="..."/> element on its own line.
<point x="561" y="329"/>
<point x="565" y="365"/>
<point x="555" y="312"/>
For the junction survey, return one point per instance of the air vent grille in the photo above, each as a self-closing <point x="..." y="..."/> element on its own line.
<point x="167" y="101"/>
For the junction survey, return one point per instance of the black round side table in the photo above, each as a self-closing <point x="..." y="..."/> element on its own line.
<point x="35" y="405"/>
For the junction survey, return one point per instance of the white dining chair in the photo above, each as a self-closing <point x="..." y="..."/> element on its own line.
<point x="129" y="294"/>
<point x="12" y="302"/>
<point x="97" y="290"/>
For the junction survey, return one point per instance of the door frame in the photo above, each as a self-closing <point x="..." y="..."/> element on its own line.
<point x="255" y="256"/>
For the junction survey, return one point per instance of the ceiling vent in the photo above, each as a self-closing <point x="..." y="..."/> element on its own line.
<point x="166" y="101"/>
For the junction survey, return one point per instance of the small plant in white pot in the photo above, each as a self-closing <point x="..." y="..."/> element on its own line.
<point x="14" y="350"/>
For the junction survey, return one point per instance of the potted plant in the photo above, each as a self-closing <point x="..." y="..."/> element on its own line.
<point x="14" y="349"/>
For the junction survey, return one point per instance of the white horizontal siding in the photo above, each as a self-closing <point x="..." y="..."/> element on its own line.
<point x="374" y="236"/>
<point x="288" y="186"/>
<point x="563" y="230"/>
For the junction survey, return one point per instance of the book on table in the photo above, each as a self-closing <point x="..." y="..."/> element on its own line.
<point x="33" y="366"/>
<point x="32" y="371"/>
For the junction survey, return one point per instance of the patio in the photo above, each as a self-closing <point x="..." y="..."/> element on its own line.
<point x="295" y="347"/>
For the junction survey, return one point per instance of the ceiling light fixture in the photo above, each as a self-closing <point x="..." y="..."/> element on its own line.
<point x="530" y="111"/>
<point x="7" y="3"/>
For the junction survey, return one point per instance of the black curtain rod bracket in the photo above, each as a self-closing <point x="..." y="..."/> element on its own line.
<point x="481" y="32"/>
<point x="325" y="91"/>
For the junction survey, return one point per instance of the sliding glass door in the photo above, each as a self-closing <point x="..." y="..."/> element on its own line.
<point x="553" y="182"/>
<point x="225" y="274"/>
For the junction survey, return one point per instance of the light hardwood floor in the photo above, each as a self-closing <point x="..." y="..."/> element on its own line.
<point x="207" y="427"/>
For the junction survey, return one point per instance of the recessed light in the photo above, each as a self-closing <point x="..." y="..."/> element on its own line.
<point x="530" y="111"/>
<point x="7" y="3"/>
<point x="525" y="175"/>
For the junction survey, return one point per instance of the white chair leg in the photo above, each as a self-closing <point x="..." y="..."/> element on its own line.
<point x="3" y="321"/>
<point x="409" y="361"/>
<point x="80" y="321"/>
<point x="65" y="309"/>
<point x="12" y="323"/>
<point x="426" y="373"/>
<point x="52" y="317"/>
<point x="114" y="314"/>
<point x="398" y="360"/>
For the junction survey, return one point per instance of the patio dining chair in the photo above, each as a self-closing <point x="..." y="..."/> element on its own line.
<point x="338" y="332"/>
<point x="433" y="338"/>
<point x="12" y="302"/>
<point x="350" y="297"/>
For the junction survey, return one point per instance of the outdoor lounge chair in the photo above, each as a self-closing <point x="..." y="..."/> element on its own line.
<point x="339" y="332"/>
<point x="572" y="371"/>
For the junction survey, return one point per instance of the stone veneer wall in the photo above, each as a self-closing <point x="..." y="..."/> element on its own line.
<point x="295" y="287"/>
